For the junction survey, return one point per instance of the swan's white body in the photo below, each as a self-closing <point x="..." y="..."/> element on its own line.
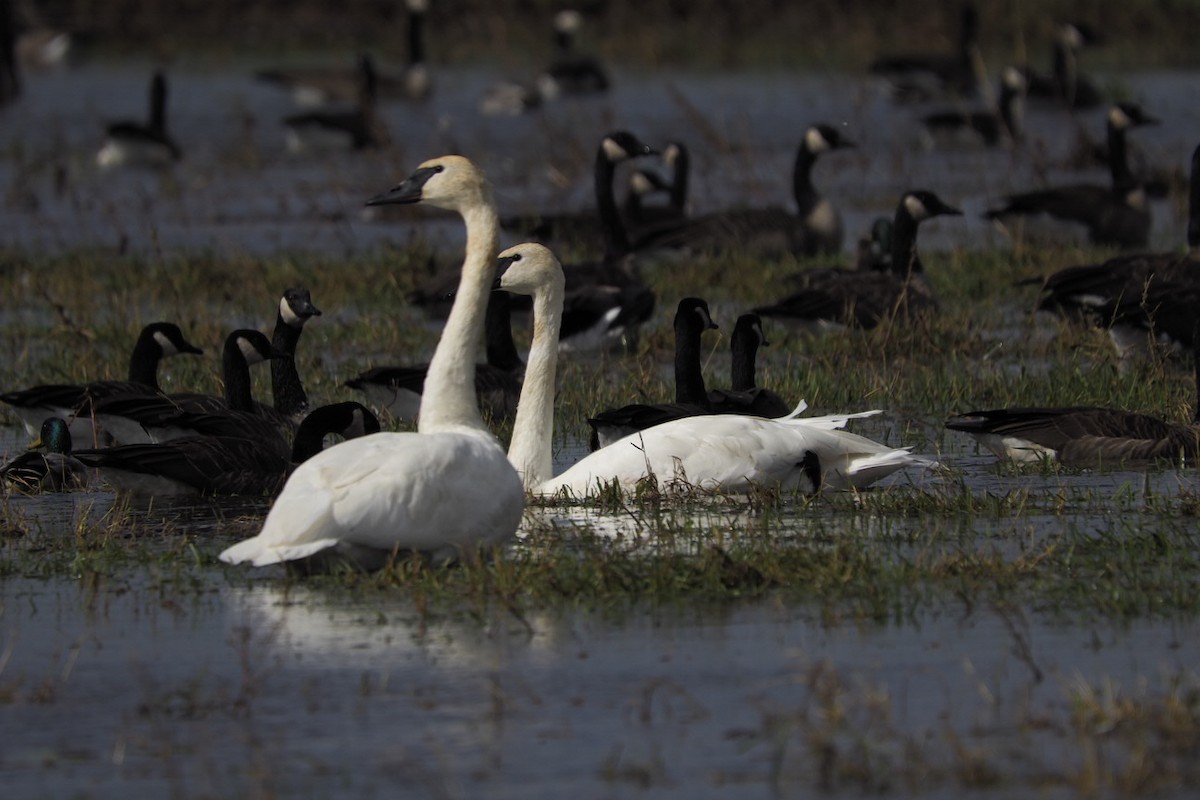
<point x="726" y="453"/>
<point x="447" y="488"/>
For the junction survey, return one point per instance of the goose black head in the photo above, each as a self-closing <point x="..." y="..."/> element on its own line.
<point x="1129" y="115"/>
<point x="296" y="307"/>
<point x="169" y="339"/>
<point x="921" y="205"/>
<point x="749" y="325"/>
<point x="821" y="137"/>
<point x="692" y="309"/>
<point x="253" y="346"/>
<point x="623" y="145"/>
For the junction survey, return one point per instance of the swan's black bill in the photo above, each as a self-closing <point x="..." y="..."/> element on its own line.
<point x="408" y="190"/>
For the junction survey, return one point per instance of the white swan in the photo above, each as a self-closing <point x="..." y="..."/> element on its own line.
<point x="726" y="452"/>
<point x="443" y="490"/>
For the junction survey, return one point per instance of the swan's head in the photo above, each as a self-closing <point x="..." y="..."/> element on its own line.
<point x="622" y="145"/>
<point x="252" y="346"/>
<point x="921" y="205"/>
<point x="527" y="268"/>
<point x="449" y="182"/>
<point x="819" y="138"/>
<point x="296" y="307"/>
<point x="169" y="339"/>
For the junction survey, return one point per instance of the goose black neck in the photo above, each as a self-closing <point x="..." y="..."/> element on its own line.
<point x="616" y="240"/>
<point x="1010" y="111"/>
<point x="287" y="391"/>
<point x="310" y="435"/>
<point x="689" y="380"/>
<point x="237" y="377"/>
<point x="10" y="81"/>
<point x="1118" y="160"/>
<point x="497" y="333"/>
<point x="905" y="260"/>
<point x="744" y="348"/>
<point x="143" y="362"/>
<point x="416" y="37"/>
<point x="679" y="181"/>
<point x="1193" y="231"/>
<point x="158" y="104"/>
<point x="1065" y="66"/>
<point x="564" y="42"/>
<point x="802" y="187"/>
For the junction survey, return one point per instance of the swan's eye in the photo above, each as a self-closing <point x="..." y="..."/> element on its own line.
<point x="439" y="168"/>
<point x="516" y="257"/>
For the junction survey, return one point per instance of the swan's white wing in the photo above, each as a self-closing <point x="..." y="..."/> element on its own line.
<point x="410" y="491"/>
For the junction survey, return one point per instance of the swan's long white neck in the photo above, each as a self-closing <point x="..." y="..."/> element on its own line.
<point x="448" y="400"/>
<point x="533" y="430"/>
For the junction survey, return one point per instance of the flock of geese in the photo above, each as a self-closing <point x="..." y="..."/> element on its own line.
<point x="449" y="487"/>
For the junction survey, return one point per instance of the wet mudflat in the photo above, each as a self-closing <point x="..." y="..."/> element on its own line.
<point x="934" y="652"/>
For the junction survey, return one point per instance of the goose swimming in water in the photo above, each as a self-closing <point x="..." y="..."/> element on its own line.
<point x="142" y="144"/>
<point x="924" y="74"/>
<point x="1066" y="85"/>
<point x="993" y="126"/>
<point x="448" y="488"/>
<point x="353" y="129"/>
<point x="725" y="453"/>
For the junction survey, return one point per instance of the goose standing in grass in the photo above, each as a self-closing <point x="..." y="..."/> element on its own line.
<point x="1084" y="288"/>
<point x="321" y="87"/>
<point x="692" y="319"/>
<point x="34" y="405"/>
<point x="1086" y="436"/>
<point x="814" y="227"/>
<point x="724" y="453"/>
<point x="287" y="391"/>
<point x="992" y="126"/>
<point x="836" y="298"/>
<point x="924" y="74"/>
<point x="1117" y="214"/>
<point x="328" y="130"/>
<point x="444" y="490"/>
<point x="222" y="465"/>
<point x="497" y="381"/>
<point x="141" y="144"/>
<point x="54" y="470"/>
<point x="144" y="418"/>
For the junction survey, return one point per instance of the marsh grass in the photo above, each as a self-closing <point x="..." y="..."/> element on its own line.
<point x="875" y="555"/>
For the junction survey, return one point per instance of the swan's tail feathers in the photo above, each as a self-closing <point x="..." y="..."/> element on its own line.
<point x="827" y="422"/>
<point x="800" y="409"/>
<point x="261" y="555"/>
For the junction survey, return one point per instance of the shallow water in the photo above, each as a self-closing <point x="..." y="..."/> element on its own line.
<point x="242" y="684"/>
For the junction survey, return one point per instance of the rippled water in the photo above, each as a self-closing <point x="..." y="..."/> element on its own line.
<point x="248" y="686"/>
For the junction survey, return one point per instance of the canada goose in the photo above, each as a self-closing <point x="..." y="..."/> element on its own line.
<point x="1163" y="312"/>
<point x="642" y="183"/>
<point x="55" y="470"/>
<point x="745" y="396"/>
<point x="1117" y="214"/>
<point x="726" y="453"/>
<point x="1086" y="287"/>
<point x="1066" y="85"/>
<point x="569" y="73"/>
<point x="601" y="317"/>
<point x="919" y="75"/>
<point x="1085" y="436"/>
<point x="497" y="381"/>
<point x="34" y="405"/>
<point x="143" y="418"/>
<point x="321" y="87"/>
<point x="573" y="72"/>
<point x="443" y="490"/>
<point x="814" y="227"/>
<point x="222" y="465"/>
<point x="1004" y="123"/>
<point x="142" y="144"/>
<point x="287" y="392"/>
<point x="692" y="319"/>
<point x="355" y="129"/>
<point x="836" y="298"/>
